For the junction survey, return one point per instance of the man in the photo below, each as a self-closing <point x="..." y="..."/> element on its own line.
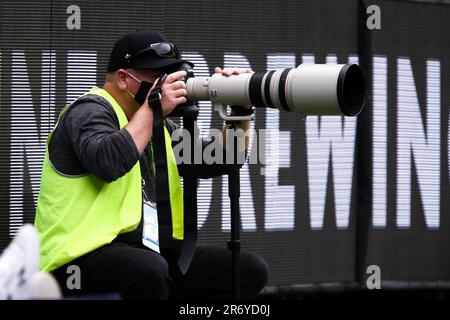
<point x="99" y="174"/>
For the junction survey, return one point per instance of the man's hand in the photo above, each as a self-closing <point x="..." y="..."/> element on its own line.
<point x="230" y="71"/>
<point x="244" y="125"/>
<point x="140" y="126"/>
<point x="173" y="92"/>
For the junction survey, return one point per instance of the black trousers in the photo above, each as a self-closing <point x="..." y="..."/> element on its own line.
<point x="139" y="273"/>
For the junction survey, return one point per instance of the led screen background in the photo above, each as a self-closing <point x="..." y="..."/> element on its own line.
<point x="339" y="198"/>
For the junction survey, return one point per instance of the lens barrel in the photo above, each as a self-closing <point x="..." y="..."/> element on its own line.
<point x="310" y="89"/>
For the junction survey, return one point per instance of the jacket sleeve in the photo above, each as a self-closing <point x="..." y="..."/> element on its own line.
<point x="101" y="146"/>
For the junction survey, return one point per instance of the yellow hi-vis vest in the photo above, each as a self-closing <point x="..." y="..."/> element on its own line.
<point x="78" y="214"/>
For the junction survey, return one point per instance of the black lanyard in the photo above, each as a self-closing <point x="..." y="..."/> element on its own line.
<point x="163" y="191"/>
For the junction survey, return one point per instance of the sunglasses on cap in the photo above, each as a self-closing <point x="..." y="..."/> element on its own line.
<point x="161" y="49"/>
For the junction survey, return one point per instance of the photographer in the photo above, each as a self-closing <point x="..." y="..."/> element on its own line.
<point x="98" y="175"/>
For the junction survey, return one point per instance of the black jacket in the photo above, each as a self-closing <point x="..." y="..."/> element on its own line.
<point x="88" y="139"/>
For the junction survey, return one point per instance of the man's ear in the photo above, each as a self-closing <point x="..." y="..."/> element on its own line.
<point x="121" y="79"/>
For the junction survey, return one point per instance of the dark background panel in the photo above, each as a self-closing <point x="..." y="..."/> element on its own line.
<point x="414" y="31"/>
<point x="254" y="29"/>
<point x="24" y="29"/>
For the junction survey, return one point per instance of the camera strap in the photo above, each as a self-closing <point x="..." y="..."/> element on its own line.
<point x="163" y="199"/>
<point x="161" y="171"/>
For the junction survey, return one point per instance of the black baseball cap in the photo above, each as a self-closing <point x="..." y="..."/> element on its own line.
<point x="144" y="49"/>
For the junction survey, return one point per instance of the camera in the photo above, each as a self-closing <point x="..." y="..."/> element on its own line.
<point x="309" y="89"/>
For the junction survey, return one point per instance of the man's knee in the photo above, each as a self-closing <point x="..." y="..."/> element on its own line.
<point x="153" y="279"/>
<point x="256" y="271"/>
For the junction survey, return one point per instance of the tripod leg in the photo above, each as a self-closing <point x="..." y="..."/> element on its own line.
<point x="235" y="243"/>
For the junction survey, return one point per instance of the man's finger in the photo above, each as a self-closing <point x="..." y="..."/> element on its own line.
<point x="180" y="100"/>
<point x="177" y="85"/>
<point x="175" y="76"/>
<point x="230" y="71"/>
<point x="180" y="93"/>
